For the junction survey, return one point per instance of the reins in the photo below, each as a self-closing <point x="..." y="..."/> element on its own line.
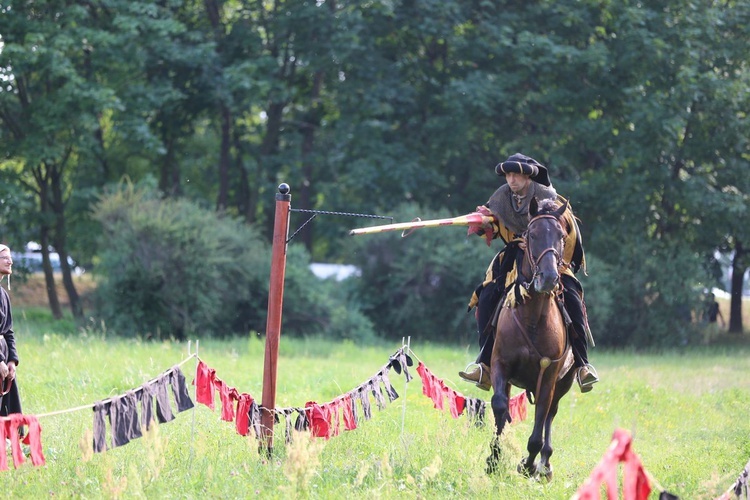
<point x="544" y="361"/>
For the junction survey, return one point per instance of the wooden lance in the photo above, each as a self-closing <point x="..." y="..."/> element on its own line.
<point x="475" y="219"/>
<point x="273" y="323"/>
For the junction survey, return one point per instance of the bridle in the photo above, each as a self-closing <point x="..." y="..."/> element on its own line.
<point x="534" y="262"/>
<point x="544" y="361"/>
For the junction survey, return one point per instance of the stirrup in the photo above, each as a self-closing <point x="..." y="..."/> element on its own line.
<point x="482" y="374"/>
<point x="466" y="372"/>
<point x="591" y="378"/>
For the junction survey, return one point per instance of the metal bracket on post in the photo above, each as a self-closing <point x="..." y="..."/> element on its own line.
<point x="273" y="323"/>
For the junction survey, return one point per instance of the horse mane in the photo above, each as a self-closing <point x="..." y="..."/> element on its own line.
<point x="548" y="206"/>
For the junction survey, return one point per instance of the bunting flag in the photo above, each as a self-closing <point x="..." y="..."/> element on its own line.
<point x="740" y="488"/>
<point x="435" y="389"/>
<point x="323" y="420"/>
<point x="327" y="420"/>
<point x="10" y="429"/>
<point x="636" y="485"/>
<point x="122" y="411"/>
<point x="517" y="407"/>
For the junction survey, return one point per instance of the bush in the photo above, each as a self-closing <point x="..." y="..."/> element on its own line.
<point x="170" y="268"/>
<point x="315" y="307"/>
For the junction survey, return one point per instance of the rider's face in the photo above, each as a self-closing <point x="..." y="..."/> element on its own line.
<point x="518" y="183"/>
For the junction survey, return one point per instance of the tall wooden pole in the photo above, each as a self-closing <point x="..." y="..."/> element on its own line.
<point x="273" y="323"/>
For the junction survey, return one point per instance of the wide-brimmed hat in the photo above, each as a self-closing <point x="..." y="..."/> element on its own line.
<point x="522" y="164"/>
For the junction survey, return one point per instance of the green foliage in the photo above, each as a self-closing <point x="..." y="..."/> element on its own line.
<point x="315" y="307"/>
<point x="420" y="285"/>
<point x="639" y="110"/>
<point x="170" y="268"/>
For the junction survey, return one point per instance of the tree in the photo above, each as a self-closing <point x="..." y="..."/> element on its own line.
<point x="49" y="113"/>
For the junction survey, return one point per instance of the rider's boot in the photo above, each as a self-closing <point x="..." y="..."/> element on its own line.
<point x="586" y="375"/>
<point x="480" y="376"/>
<point x="579" y="333"/>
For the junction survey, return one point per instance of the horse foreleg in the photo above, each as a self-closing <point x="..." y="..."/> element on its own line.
<point x="536" y="440"/>
<point x="500" y="409"/>
<point x="545" y="468"/>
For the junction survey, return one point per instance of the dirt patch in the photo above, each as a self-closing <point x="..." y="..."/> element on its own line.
<point x="33" y="291"/>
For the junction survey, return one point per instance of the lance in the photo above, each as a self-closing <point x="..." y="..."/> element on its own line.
<point x="474" y="219"/>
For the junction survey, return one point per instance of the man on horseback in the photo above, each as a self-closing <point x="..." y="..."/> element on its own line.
<point x="509" y="206"/>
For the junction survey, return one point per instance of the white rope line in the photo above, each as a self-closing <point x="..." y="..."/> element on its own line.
<point x="89" y="406"/>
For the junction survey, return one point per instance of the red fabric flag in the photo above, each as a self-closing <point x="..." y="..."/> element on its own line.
<point x="244" y="401"/>
<point x="456" y="402"/>
<point x="227" y="395"/>
<point x="320" y="425"/>
<point x="636" y="483"/>
<point x="34" y="440"/>
<point x="426" y="380"/>
<point x="334" y="416"/>
<point x="204" y="384"/>
<point x="517" y="407"/>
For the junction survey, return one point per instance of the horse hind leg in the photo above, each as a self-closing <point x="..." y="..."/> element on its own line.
<point x="500" y="409"/>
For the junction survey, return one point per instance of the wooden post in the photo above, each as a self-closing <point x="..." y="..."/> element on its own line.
<point x="273" y="323"/>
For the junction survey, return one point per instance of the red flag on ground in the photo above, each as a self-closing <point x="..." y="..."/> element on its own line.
<point x="636" y="485"/>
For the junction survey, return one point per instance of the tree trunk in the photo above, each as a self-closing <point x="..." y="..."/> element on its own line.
<point x="226" y="127"/>
<point x="268" y="150"/>
<point x="309" y="127"/>
<point x="738" y="273"/>
<point x="49" y="276"/>
<point x="57" y="204"/>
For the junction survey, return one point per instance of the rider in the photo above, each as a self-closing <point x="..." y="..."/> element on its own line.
<point x="509" y="206"/>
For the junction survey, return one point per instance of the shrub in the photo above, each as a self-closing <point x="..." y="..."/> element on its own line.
<point x="321" y="307"/>
<point x="171" y="268"/>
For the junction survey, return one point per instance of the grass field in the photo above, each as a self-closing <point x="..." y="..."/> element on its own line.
<point x="688" y="412"/>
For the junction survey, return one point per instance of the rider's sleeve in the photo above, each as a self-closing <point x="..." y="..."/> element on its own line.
<point x="500" y="231"/>
<point x="573" y="249"/>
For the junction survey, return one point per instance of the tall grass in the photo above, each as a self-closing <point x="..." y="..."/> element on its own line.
<point x="688" y="412"/>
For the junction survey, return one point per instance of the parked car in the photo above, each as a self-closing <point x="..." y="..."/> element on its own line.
<point x="31" y="259"/>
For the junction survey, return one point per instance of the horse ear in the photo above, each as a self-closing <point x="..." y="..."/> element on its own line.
<point x="533" y="208"/>
<point x="560" y="211"/>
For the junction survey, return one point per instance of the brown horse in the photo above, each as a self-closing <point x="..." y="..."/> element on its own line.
<point x="531" y="350"/>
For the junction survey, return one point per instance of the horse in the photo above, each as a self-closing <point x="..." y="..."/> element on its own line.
<point x="531" y="349"/>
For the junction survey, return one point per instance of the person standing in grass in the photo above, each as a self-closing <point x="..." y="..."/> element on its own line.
<point x="11" y="399"/>
<point x="713" y="312"/>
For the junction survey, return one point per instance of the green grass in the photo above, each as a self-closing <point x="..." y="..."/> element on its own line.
<point x="688" y="412"/>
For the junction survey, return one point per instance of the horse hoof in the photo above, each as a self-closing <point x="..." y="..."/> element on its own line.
<point x="544" y="474"/>
<point x="491" y="466"/>
<point x="524" y="470"/>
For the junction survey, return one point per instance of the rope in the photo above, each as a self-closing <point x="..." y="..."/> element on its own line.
<point x="347" y="214"/>
<point x="325" y="212"/>
<point x="89" y="406"/>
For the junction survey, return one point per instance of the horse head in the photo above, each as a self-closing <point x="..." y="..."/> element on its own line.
<point x="544" y="243"/>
